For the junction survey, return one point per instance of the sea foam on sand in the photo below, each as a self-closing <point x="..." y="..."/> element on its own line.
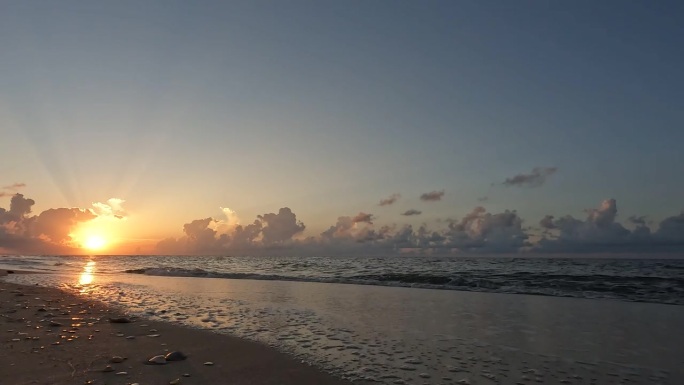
<point x="401" y="335"/>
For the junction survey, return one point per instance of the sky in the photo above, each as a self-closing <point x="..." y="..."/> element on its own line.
<point x="341" y="127"/>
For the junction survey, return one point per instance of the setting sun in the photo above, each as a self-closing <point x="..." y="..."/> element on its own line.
<point x="94" y="242"/>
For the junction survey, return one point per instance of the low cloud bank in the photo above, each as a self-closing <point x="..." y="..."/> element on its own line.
<point x="480" y="231"/>
<point x="49" y="232"/>
<point x="477" y="232"/>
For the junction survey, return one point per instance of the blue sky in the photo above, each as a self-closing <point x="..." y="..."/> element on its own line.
<point x="326" y="107"/>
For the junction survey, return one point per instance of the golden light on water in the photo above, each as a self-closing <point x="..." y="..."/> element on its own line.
<point x="86" y="276"/>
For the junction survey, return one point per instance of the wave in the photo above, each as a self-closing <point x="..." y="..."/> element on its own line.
<point x="596" y="286"/>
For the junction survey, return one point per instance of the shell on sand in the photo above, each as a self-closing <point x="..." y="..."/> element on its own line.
<point x="175" y="356"/>
<point x="116" y="359"/>
<point x="157" y="360"/>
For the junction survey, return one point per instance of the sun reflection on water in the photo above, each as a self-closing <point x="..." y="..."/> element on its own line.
<point x="86" y="277"/>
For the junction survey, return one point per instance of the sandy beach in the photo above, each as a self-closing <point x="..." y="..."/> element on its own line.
<point x="52" y="337"/>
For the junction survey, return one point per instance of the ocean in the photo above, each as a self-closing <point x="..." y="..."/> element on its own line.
<point x="406" y="320"/>
<point x="640" y="280"/>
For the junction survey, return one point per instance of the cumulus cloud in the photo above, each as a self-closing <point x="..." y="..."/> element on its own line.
<point x="600" y="232"/>
<point x="210" y="235"/>
<point x="535" y="178"/>
<point x="485" y="232"/>
<point x="47" y="232"/>
<point x="113" y="208"/>
<point x="389" y="200"/>
<point x="20" y="206"/>
<point x="280" y="228"/>
<point x="432" y="196"/>
<point x="411" y="212"/>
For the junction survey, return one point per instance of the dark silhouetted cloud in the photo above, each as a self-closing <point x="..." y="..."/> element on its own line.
<point x="535" y="178"/>
<point x="281" y="227"/>
<point x="411" y="212"/>
<point x="432" y="196"/>
<point x="363" y="218"/>
<point x="637" y="220"/>
<point x="389" y="200"/>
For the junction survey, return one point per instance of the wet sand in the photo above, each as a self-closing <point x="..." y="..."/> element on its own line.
<point x="82" y="341"/>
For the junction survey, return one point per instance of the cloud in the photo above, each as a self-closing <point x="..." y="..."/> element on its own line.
<point x="411" y="212"/>
<point x="389" y="200"/>
<point x="637" y="220"/>
<point x="478" y="232"/>
<point x="210" y="235"/>
<point x="600" y="232"/>
<point x="483" y="199"/>
<point x="112" y="209"/>
<point x="11" y="189"/>
<point x="535" y="178"/>
<point x="20" y="206"/>
<point x="55" y="225"/>
<point x="363" y="218"/>
<point x="280" y="228"/>
<point x="432" y="196"/>
<point x="45" y="233"/>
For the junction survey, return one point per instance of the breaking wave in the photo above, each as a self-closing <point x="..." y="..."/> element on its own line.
<point x="667" y="290"/>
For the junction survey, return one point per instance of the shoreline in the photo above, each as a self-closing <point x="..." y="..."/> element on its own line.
<point x="79" y="349"/>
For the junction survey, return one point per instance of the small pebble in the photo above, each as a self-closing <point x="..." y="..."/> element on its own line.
<point x="208" y="363"/>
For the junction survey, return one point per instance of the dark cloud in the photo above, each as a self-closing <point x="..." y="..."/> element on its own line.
<point x="363" y="218"/>
<point x="535" y="178"/>
<point x="281" y="227"/>
<point x="637" y="220"/>
<point x="411" y="212"/>
<point x="547" y="222"/>
<point x="20" y="206"/>
<point x="432" y="196"/>
<point x="267" y="231"/>
<point x="389" y="200"/>
<point x="480" y="231"/>
<point x="600" y="232"/>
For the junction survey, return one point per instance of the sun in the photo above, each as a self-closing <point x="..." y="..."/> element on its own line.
<point x="95" y="242"/>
